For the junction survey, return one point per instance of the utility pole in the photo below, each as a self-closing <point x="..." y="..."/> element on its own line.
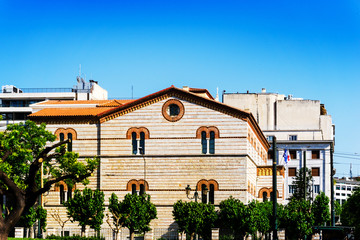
<point x="332" y="184"/>
<point x="305" y="190"/>
<point x="305" y="175"/>
<point x="274" y="195"/>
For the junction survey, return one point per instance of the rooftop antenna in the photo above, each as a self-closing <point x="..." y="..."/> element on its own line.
<point x="132" y="92"/>
<point x="350" y="170"/>
<point x="78" y="78"/>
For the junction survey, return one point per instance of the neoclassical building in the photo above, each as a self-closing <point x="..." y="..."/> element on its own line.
<point x="163" y="144"/>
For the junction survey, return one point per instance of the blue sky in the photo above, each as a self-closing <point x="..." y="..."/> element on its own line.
<point x="310" y="49"/>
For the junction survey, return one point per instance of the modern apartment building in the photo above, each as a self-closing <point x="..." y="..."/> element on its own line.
<point x="344" y="188"/>
<point x="302" y="128"/>
<point x="15" y="103"/>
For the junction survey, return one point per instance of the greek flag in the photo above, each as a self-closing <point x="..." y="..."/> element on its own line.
<point x="286" y="156"/>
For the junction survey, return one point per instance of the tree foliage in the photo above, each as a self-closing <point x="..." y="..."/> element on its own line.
<point x="351" y="212"/>
<point x="135" y="212"/>
<point x="234" y="215"/>
<point x="300" y="189"/>
<point x="338" y="208"/>
<point x="24" y="148"/>
<point x="195" y="218"/>
<point x="298" y="219"/>
<point x="320" y="209"/>
<point x="29" y="218"/>
<point x="260" y="214"/>
<point x="87" y="208"/>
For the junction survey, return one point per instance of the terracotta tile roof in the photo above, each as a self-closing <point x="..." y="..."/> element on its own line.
<point x="114" y="103"/>
<point x="103" y="112"/>
<point x="59" y="112"/>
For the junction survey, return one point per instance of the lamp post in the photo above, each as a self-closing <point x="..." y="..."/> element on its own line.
<point x="204" y="191"/>
<point x="40" y="200"/>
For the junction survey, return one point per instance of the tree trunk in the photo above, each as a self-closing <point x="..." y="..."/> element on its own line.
<point x="117" y="235"/>
<point x="83" y="231"/>
<point x="31" y="231"/>
<point x="132" y="235"/>
<point x="4" y="233"/>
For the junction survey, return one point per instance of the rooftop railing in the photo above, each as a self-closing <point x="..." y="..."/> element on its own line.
<point x="44" y="90"/>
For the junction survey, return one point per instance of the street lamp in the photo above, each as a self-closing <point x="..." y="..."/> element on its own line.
<point x="204" y="191"/>
<point x="40" y="200"/>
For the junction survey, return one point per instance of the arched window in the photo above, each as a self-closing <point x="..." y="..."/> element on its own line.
<point x="138" y="136"/>
<point x="212" y="194"/>
<point x="70" y="137"/>
<point x="203" y="195"/>
<point x="207" y="135"/>
<point x="142" y="142"/>
<point x="265" y="196"/>
<point x="134" y="143"/>
<point x="133" y="189"/>
<point x="64" y="134"/>
<point x="62" y="194"/>
<point x="212" y="143"/>
<point x="203" y="142"/>
<point x="142" y="189"/>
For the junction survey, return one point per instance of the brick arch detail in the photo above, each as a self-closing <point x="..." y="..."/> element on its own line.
<point x="277" y="192"/>
<point x="138" y="130"/>
<point x="130" y="183"/>
<point x="215" y="130"/>
<point x="137" y="183"/>
<point x="65" y="132"/>
<point x="61" y="183"/>
<point x="199" y="130"/>
<point x="262" y="190"/>
<point x="215" y="183"/>
<point x="142" y="181"/>
<point x="207" y="130"/>
<point x="207" y="184"/>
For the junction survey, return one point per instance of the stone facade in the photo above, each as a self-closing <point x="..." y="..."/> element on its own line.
<point x="186" y="138"/>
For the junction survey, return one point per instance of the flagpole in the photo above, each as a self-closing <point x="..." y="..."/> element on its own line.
<point x="274" y="192"/>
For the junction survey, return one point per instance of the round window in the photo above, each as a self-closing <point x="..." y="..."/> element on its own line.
<point x="173" y="110"/>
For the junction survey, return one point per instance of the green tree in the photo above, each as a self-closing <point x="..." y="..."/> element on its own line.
<point x="351" y="212"/>
<point x="338" y="211"/>
<point x="119" y="214"/>
<point x="135" y="212"/>
<point x="29" y="218"/>
<point x="234" y="216"/>
<point x="300" y="189"/>
<point x="195" y="218"/>
<point x="87" y="208"/>
<point x="320" y="209"/>
<point x="24" y="149"/>
<point x="259" y="220"/>
<point x="297" y="219"/>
